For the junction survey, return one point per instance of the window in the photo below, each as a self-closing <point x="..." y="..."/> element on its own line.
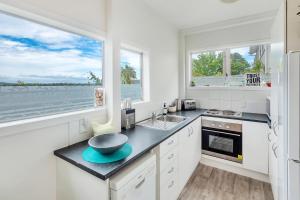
<point x="44" y="70"/>
<point x="131" y="75"/>
<point x="228" y="67"/>
<point x="207" y="67"/>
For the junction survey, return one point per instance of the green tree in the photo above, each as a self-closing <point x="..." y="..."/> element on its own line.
<point x="21" y="83"/>
<point x="239" y="64"/>
<point x="208" y="64"/>
<point x="94" y="78"/>
<point x="127" y="74"/>
<point x="258" y="66"/>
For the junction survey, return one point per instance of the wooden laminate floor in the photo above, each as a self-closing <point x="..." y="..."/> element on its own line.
<point x="208" y="183"/>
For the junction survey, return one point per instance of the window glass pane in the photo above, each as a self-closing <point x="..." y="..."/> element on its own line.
<point x="252" y="59"/>
<point x="44" y="70"/>
<point x="248" y="60"/>
<point x="207" y="68"/>
<point x="131" y="75"/>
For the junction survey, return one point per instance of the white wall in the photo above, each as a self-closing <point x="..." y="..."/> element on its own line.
<point x="27" y="168"/>
<point x="231" y="99"/>
<point x="135" y="24"/>
<point x="89" y="15"/>
<point x="231" y="36"/>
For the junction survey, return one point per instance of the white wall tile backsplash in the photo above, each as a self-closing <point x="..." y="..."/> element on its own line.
<point x="253" y="101"/>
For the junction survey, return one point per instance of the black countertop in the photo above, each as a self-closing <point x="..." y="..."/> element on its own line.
<point x="141" y="139"/>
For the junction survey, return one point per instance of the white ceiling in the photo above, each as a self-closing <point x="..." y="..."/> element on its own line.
<point x="192" y="13"/>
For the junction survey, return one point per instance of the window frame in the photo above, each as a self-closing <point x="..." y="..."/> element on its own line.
<point x="73" y="29"/>
<point x="142" y="54"/>
<point x="226" y="64"/>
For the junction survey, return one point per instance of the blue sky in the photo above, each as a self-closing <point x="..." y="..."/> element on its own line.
<point x="244" y="51"/>
<point x="132" y="59"/>
<point x="34" y="53"/>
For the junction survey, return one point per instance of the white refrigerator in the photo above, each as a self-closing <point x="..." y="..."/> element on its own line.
<point x="293" y="126"/>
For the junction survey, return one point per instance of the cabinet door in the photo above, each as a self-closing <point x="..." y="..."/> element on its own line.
<point x="255" y="146"/>
<point x="293" y="25"/>
<point x="185" y="161"/>
<point x="273" y="163"/>
<point x="196" y="131"/>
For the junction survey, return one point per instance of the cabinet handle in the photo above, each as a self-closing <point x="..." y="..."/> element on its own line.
<point x="171" y="156"/>
<point x="171" y="185"/>
<point x="274" y="126"/>
<point x="296" y="161"/>
<point x="171" y="170"/>
<point x="190" y="130"/>
<point x="274" y="148"/>
<point x="171" y="142"/>
<point x="269" y="134"/>
<point x="140" y="183"/>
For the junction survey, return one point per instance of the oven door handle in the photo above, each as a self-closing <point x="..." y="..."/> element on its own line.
<point x="222" y="132"/>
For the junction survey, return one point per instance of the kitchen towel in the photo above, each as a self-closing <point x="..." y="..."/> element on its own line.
<point x="100" y="129"/>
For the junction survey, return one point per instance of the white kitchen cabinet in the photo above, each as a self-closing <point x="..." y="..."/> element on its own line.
<point x="178" y="157"/>
<point x="167" y="180"/>
<point x="196" y="128"/>
<point x="189" y="151"/>
<point x="273" y="163"/>
<point x="255" y="146"/>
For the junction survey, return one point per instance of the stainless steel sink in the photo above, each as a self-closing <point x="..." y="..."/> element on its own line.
<point x="171" y="118"/>
<point x="166" y="122"/>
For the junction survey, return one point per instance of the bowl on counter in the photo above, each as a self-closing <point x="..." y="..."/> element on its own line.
<point x="108" y="143"/>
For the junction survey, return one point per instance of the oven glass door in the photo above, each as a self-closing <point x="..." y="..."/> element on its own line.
<point x="229" y="144"/>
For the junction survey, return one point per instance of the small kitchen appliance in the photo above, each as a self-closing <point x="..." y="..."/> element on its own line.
<point x="189" y="104"/>
<point x="128" y="118"/>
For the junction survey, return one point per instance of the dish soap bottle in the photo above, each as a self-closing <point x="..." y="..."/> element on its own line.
<point x="165" y="109"/>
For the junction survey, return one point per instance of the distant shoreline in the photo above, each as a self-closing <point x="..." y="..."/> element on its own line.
<point x="47" y="84"/>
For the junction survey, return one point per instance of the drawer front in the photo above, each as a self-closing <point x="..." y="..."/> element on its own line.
<point x="168" y="159"/>
<point x="168" y="144"/>
<point x="169" y="172"/>
<point x="169" y="190"/>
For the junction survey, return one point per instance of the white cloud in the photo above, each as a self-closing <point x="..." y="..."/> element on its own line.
<point x="19" y="60"/>
<point x="15" y="62"/>
<point x="34" y="30"/>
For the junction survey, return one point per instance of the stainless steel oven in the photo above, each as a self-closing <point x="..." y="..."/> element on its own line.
<point x="222" y="140"/>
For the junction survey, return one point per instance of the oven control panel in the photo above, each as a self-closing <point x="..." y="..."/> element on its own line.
<point x="222" y="125"/>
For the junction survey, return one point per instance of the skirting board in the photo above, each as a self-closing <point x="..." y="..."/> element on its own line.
<point x="233" y="167"/>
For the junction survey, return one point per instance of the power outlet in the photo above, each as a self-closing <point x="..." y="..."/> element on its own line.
<point x="83" y="126"/>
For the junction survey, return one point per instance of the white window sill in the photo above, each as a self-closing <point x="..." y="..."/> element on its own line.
<point x="141" y="102"/>
<point x="250" y="88"/>
<point x="14" y="127"/>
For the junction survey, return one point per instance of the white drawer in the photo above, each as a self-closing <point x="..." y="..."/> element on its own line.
<point x="168" y="191"/>
<point x="169" y="172"/>
<point x="168" y="158"/>
<point x="168" y="144"/>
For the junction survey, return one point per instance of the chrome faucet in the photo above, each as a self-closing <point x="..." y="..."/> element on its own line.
<point x="153" y="117"/>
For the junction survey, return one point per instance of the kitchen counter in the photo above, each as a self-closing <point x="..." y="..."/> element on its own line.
<point x="253" y="117"/>
<point x="141" y="139"/>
